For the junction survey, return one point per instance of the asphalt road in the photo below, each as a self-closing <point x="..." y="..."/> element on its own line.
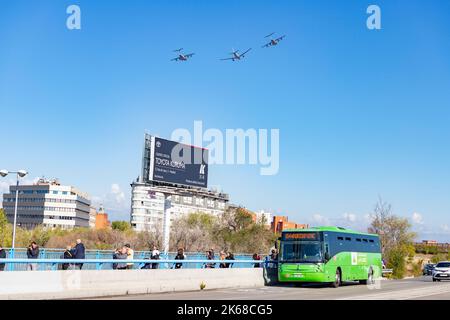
<point x="418" y="288"/>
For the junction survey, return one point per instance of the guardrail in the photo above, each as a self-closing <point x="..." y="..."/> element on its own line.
<point x="100" y="264"/>
<point x="387" y="271"/>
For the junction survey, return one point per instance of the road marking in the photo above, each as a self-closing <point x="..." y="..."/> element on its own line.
<point x="404" y="294"/>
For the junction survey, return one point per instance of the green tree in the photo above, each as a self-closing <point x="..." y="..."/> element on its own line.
<point x="5" y="230"/>
<point x="121" y="225"/>
<point x="395" y="236"/>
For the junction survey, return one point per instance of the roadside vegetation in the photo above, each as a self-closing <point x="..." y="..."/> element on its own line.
<point x="397" y="239"/>
<point x="233" y="231"/>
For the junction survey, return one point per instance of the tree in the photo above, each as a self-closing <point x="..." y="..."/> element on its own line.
<point x="5" y="230"/>
<point x="395" y="236"/>
<point x="121" y="225"/>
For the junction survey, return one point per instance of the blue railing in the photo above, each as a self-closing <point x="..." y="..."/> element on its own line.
<point x="194" y="259"/>
<point x="106" y="264"/>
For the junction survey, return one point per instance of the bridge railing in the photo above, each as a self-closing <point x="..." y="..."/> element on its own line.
<point x="107" y="264"/>
<point x="51" y="253"/>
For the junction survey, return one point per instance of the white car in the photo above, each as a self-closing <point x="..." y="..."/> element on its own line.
<point x="441" y="271"/>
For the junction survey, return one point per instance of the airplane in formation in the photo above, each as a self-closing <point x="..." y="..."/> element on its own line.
<point x="235" y="55"/>
<point x="182" y="56"/>
<point x="273" y="42"/>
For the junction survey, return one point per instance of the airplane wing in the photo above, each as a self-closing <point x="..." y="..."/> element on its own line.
<point x="280" y="38"/>
<point x="267" y="45"/>
<point x="246" y="52"/>
<point x="227" y="59"/>
<point x="189" y="55"/>
<point x="175" y="59"/>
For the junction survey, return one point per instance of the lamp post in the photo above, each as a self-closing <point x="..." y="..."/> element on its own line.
<point x="19" y="174"/>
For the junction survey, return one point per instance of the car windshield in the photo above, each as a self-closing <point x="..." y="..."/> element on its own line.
<point x="443" y="265"/>
<point x="301" y="251"/>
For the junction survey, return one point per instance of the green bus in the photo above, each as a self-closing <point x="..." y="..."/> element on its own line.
<point x="329" y="255"/>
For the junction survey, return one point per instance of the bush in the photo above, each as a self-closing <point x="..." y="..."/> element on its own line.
<point x="417" y="268"/>
<point x="439" y="257"/>
<point x="397" y="262"/>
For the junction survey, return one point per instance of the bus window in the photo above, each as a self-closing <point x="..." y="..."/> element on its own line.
<point x="301" y="251"/>
<point x="348" y="239"/>
<point x="365" y="240"/>
<point x="340" y="238"/>
<point x="359" y="240"/>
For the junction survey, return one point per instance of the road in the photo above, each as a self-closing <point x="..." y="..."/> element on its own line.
<point x="419" y="289"/>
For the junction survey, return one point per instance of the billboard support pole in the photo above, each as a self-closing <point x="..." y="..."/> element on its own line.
<point x="166" y="234"/>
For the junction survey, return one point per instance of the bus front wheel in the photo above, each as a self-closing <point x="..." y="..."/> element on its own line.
<point x="337" y="279"/>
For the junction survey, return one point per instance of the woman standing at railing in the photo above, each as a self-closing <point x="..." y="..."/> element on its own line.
<point x="67" y="255"/>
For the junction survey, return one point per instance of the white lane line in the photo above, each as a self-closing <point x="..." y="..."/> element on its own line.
<point x="404" y="294"/>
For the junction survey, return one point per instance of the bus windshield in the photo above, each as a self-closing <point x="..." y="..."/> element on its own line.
<point x="301" y="251"/>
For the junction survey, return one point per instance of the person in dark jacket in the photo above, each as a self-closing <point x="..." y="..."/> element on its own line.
<point x="210" y="256"/>
<point x="180" y="256"/>
<point x="2" y="256"/>
<point x="79" y="252"/>
<point x="256" y="257"/>
<point x="230" y="256"/>
<point x="120" y="254"/>
<point x="32" y="253"/>
<point x="67" y="255"/>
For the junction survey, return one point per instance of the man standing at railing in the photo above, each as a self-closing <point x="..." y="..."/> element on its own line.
<point x="32" y="253"/>
<point x="180" y="256"/>
<point x="78" y="252"/>
<point x="2" y="256"/>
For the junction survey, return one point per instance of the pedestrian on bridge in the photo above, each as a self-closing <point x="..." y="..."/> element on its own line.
<point x="210" y="256"/>
<point x="230" y="256"/>
<point x="67" y="255"/>
<point x="155" y="255"/>
<point x="256" y="257"/>
<point x="130" y="255"/>
<point x="32" y="253"/>
<point x="79" y="252"/>
<point x="121" y="254"/>
<point x="223" y="256"/>
<point x="180" y="256"/>
<point x="2" y="256"/>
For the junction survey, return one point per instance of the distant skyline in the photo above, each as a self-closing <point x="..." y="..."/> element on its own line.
<point x="361" y="113"/>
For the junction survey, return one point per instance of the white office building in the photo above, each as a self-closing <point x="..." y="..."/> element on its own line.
<point x="263" y="217"/>
<point x="149" y="201"/>
<point x="50" y="204"/>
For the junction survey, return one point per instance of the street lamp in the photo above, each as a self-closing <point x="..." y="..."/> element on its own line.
<point x="19" y="174"/>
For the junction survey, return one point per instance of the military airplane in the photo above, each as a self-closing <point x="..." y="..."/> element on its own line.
<point x="273" y="42"/>
<point x="236" y="55"/>
<point x="182" y="56"/>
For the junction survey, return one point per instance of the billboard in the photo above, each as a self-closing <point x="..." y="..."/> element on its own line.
<point x="176" y="163"/>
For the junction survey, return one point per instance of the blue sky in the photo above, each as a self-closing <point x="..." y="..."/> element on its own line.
<point x="361" y="113"/>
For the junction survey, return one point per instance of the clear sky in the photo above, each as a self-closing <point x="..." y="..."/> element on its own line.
<point x="361" y="113"/>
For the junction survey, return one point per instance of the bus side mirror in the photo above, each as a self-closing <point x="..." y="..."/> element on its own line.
<point x="327" y="256"/>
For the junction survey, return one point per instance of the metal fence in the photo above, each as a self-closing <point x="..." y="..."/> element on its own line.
<point x="47" y="258"/>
